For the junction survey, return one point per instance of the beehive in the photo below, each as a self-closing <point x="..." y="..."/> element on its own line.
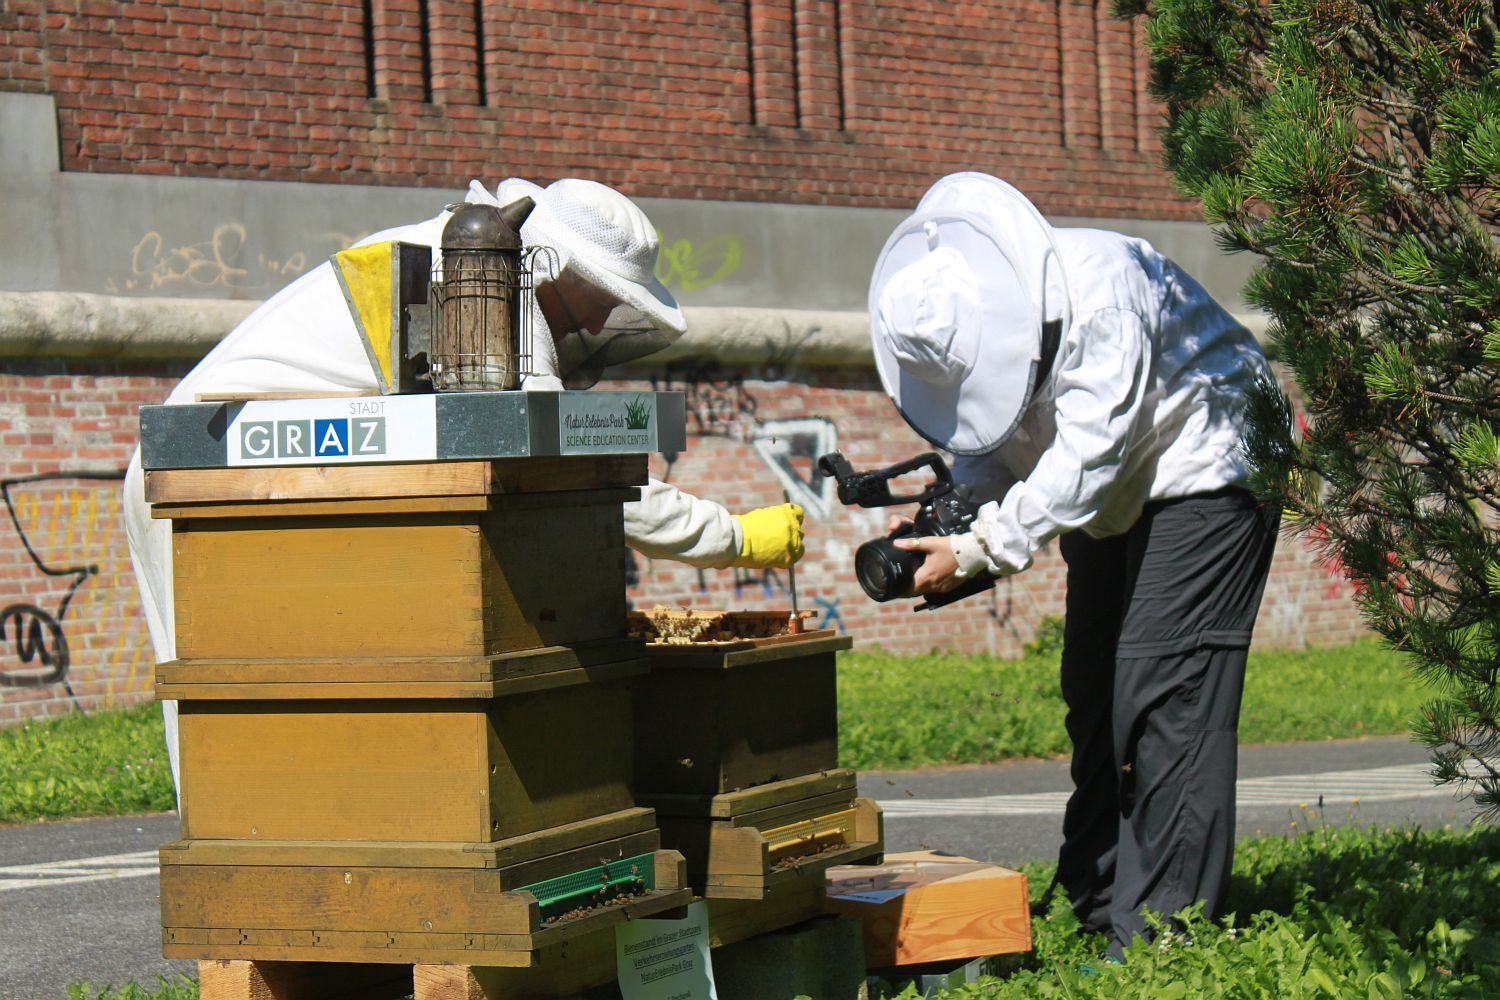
<point x="404" y="698"/>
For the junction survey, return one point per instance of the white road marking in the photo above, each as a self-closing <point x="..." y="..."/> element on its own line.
<point x="1379" y="784"/>
<point x="109" y="866"/>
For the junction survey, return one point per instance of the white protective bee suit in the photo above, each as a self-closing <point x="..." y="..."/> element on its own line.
<point x="303" y="340"/>
<point x="1093" y="392"/>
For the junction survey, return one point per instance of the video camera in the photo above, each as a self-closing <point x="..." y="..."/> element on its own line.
<point x="883" y="570"/>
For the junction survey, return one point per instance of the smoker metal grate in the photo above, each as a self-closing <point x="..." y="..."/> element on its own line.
<point x="481" y="319"/>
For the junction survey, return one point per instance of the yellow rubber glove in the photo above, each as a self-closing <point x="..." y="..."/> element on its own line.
<point x="771" y="537"/>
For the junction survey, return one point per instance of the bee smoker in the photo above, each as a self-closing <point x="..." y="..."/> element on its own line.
<point x="479" y="321"/>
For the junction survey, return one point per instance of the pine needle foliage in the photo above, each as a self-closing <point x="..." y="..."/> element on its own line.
<point x="1355" y="146"/>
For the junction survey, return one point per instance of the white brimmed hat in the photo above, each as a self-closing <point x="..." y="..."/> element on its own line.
<point x="607" y="239"/>
<point x="957" y="303"/>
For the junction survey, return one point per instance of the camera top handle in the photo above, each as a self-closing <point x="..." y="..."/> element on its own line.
<point x="873" y="489"/>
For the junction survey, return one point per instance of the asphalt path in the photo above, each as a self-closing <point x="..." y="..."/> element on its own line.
<point x="78" y="900"/>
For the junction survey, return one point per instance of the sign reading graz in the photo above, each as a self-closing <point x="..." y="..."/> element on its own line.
<point x="323" y="431"/>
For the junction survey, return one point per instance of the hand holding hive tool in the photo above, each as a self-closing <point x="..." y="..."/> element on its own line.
<point x="884" y="570"/>
<point x="794" y="624"/>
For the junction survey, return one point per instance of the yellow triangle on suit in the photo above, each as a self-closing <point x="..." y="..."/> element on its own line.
<point x="367" y="275"/>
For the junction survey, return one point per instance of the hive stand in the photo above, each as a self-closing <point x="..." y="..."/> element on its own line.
<point x="405" y="723"/>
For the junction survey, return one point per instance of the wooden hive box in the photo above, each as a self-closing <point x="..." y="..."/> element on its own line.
<point x="424" y="749"/>
<point x="400" y="722"/>
<point x="743" y="714"/>
<point x="745" y="782"/>
<point x="455" y="559"/>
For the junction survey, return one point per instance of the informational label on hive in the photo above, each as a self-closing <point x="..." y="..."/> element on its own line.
<point x="665" y="959"/>
<point x="591" y="423"/>
<point x="333" y="431"/>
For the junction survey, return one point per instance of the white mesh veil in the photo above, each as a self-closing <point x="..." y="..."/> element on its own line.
<point x="607" y="240"/>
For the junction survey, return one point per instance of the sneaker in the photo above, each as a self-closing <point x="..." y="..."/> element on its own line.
<point x="1097" y="965"/>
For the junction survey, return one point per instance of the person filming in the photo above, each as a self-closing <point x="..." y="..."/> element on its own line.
<point x="1092" y="392"/>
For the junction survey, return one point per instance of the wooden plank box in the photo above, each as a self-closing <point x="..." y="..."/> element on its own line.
<point x="715" y="719"/>
<point x="399" y="903"/>
<point x="743" y="845"/>
<point x="925" y="906"/>
<point x="458" y="559"/>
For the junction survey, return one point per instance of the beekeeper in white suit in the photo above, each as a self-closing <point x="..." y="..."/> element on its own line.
<point x="601" y="306"/>
<point x="1093" y="392"/>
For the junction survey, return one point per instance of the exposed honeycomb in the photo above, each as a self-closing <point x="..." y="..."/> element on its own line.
<point x="668" y="626"/>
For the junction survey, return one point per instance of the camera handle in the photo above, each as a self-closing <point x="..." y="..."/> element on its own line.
<point x="873" y="489"/>
<point x="976" y="585"/>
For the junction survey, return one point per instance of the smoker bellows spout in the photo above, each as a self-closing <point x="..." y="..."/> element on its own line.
<point x="517" y="212"/>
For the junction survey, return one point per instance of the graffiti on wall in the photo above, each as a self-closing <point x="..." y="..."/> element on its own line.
<point x="219" y="263"/>
<point x="33" y="641"/>
<point x="717" y="404"/>
<point x="790" y="449"/>
<point x="692" y="268"/>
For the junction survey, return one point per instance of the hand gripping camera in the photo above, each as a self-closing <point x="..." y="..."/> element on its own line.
<point x="884" y="571"/>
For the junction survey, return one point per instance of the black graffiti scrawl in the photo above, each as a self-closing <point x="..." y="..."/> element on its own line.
<point x="33" y="645"/>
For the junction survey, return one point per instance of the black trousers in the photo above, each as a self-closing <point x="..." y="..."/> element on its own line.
<point x="1153" y="667"/>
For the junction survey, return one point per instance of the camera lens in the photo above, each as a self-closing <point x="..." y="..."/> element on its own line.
<point x="884" y="571"/>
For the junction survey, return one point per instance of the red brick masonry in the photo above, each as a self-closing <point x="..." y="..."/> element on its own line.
<point x="812" y="101"/>
<point x="743" y="426"/>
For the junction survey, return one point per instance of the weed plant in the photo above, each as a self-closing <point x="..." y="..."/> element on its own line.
<point x="1335" y="912"/>
<point x="104" y="763"/>
<point x="177" y="988"/>
<point x="941" y="708"/>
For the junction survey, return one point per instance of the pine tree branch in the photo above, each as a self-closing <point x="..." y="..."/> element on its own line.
<point x="1406" y="286"/>
<point x="1476" y="754"/>
<point x="1394" y="105"/>
<point x="1369" y="164"/>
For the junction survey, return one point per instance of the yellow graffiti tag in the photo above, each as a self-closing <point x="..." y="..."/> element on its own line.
<point x="214" y="263"/>
<point x="692" y="268"/>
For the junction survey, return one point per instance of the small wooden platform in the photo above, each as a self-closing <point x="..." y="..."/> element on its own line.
<point x="558" y="969"/>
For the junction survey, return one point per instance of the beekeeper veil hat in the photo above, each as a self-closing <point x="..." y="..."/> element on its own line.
<point x="607" y="240"/>
<point x="957" y="305"/>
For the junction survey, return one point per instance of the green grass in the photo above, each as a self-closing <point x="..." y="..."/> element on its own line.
<point x="1326" y="913"/>
<point x="101" y="764"/>
<point x="940" y="708"/>
<point x="178" y="988"/>
<point x="894" y="712"/>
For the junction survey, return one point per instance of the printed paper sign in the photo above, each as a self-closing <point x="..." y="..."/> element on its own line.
<point x="606" y="422"/>
<point x="334" y="431"/>
<point x="871" y="896"/>
<point x="665" y="959"/>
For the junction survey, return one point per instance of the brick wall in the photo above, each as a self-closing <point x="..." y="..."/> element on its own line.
<point x="71" y="631"/>
<point x="804" y="101"/>
<point x="752" y="434"/>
